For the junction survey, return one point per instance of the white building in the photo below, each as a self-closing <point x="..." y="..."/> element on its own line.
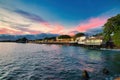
<point x="81" y="40"/>
<point x="89" y="40"/>
<point x="94" y="41"/>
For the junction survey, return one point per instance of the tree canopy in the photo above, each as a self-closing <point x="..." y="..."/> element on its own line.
<point x="98" y="34"/>
<point x="22" y="40"/>
<point x="112" y="30"/>
<point x="64" y="37"/>
<point x="79" y="35"/>
<point x="50" y="38"/>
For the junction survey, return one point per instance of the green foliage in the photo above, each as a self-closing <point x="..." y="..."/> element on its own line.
<point x="22" y="40"/>
<point x="50" y="38"/>
<point x="64" y="37"/>
<point x="107" y="37"/>
<point x="99" y="34"/>
<point x="79" y="35"/>
<point x="116" y="39"/>
<point x="112" y="27"/>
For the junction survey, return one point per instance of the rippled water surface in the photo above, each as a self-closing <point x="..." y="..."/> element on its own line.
<point x="55" y="62"/>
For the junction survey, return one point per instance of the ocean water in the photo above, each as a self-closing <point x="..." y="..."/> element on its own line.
<point x="55" y="62"/>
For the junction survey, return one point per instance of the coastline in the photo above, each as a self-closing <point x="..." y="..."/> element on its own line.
<point x="106" y="49"/>
<point x="94" y="47"/>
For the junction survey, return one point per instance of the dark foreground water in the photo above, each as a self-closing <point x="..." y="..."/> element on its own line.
<point x="55" y="62"/>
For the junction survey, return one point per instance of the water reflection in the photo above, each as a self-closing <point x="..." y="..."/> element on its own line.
<point x="54" y="62"/>
<point x="95" y="55"/>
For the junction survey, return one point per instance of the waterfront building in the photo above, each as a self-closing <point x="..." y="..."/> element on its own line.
<point x="94" y="40"/>
<point x="81" y="40"/>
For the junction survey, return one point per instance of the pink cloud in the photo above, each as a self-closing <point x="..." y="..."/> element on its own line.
<point x="33" y="31"/>
<point x="84" y="26"/>
<point x="9" y="31"/>
<point x="91" y="23"/>
<point x="57" y="29"/>
<point x="46" y="24"/>
<point x="46" y="27"/>
<point x="72" y="33"/>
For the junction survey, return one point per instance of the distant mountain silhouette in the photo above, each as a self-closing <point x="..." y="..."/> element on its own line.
<point x="43" y="35"/>
<point x="30" y="37"/>
<point x="94" y="31"/>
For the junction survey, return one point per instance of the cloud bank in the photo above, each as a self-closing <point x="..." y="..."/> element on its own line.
<point x="21" y="22"/>
<point x="91" y="23"/>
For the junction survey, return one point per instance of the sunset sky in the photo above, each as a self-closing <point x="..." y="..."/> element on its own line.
<point x="55" y="16"/>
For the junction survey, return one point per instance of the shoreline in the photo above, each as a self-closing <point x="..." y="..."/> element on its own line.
<point x="106" y="49"/>
<point x="96" y="47"/>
